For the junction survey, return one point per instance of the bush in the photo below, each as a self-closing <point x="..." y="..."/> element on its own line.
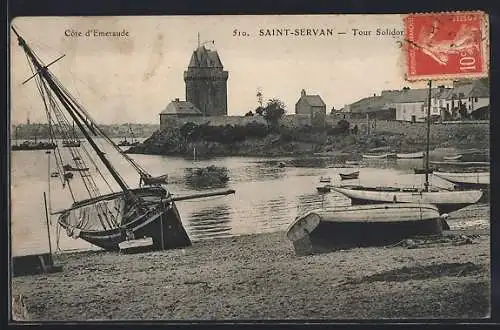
<point x="226" y="134"/>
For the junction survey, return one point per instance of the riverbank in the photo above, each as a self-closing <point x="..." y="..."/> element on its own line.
<point x="257" y="140"/>
<point x="259" y="277"/>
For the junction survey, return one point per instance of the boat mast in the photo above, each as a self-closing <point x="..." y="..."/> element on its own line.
<point x="426" y="184"/>
<point x="42" y="70"/>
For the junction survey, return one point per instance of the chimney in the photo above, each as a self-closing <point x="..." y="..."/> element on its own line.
<point x="176" y="99"/>
<point x="303" y="92"/>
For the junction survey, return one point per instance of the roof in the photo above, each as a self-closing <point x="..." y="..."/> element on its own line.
<point x="180" y="108"/>
<point x="476" y="88"/>
<point x="416" y="95"/>
<point x="375" y="103"/>
<point x="205" y="58"/>
<point x="313" y="100"/>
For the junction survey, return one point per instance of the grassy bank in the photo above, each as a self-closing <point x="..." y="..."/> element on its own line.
<point x="259" y="140"/>
<point x="259" y="277"/>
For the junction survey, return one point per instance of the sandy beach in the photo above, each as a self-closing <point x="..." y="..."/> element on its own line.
<point x="260" y="277"/>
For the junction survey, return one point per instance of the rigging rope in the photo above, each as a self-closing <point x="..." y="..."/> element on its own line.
<point x="64" y="128"/>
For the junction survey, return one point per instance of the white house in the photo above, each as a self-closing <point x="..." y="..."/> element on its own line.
<point x="411" y="104"/>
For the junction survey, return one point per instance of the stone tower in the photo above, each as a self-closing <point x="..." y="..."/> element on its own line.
<point x="206" y="82"/>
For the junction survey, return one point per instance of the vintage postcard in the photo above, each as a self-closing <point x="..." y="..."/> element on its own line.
<point x="250" y="167"/>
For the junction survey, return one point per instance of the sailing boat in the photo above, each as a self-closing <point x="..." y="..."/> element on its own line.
<point x="446" y="200"/>
<point x="125" y="143"/>
<point x="104" y="219"/>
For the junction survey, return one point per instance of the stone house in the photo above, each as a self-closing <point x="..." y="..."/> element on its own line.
<point x="176" y="112"/>
<point x="313" y="106"/>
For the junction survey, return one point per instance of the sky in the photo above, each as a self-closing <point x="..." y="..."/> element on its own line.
<point x="133" y="78"/>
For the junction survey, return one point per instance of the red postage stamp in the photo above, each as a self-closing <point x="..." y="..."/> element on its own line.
<point x="449" y="45"/>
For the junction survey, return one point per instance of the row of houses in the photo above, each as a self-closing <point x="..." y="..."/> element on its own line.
<point x="468" y="99"/>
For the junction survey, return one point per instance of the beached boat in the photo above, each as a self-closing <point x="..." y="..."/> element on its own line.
<point x="324" y="189"/>
<point x="349" y="176"/>
<point x="418" y="170"/>
<point x="413" y="155"/>
<point x="479" y="179"/>
<point x="455" y="157"/>
<point x="367" y="225"/>
<point x="447" y="201"/>
<point x="105" y="218"/>
<point x="325" y="179"/>
<point x="376" y="156"/>
<point x="460" y="163"/>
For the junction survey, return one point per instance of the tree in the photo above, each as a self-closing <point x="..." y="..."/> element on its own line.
<point x="274" y="111"/>
<point x="259" y="111"/>
<point x="343" y="126"/>
<point x="249" y="114"/>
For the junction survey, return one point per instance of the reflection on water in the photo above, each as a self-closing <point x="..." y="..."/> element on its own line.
<point x="209" y="221"/>
<point x="312" y="162"/>
<point x="268" y="196"/>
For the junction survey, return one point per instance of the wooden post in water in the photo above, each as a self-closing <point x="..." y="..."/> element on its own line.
<point x="47" y="221"/>
<point x="426" y="184"/>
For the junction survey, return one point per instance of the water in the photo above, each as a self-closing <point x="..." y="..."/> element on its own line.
<point x="267" y="199"/>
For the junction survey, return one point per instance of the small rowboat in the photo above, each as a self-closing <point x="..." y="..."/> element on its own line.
<point x="447" y="201"/>
<point x="325" y="179"/>
<point x="414" y="155"/>
<point x="460" y="163"/>
<point x="324" y="189"/>
<point x="423" y="170"/>
<point x="481" y="179"/>
<point x="344" y="227"/>
<point x="349" y="176"/>
<point x="456" y="157"/>
<point x="376" y="156"/>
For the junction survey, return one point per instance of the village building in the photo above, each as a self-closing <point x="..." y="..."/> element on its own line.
<point x="411" y="104"/>
<point x="313" y="106"/>
<point x="468" y="99"/>
<point x="376" y="106"/>
<point x="206" y="82"/>
<point x="176" y="112"/>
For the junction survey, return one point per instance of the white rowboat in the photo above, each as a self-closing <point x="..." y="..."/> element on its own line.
<point x="414" y="155"/>
<point x="446" y="201"/>
<point x="482" y="178"/>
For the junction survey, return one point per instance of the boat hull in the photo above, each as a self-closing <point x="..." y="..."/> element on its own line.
<point x="382" y="156"/>
<point x="446" y="201"/>
<point x="469" y="178"/>
<point x="414" y="155"/>
<point x="423" y="170"/>
<point x="164" y="226"/>
<point x="349" y="176"/>
<point x="327" y="230"/>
